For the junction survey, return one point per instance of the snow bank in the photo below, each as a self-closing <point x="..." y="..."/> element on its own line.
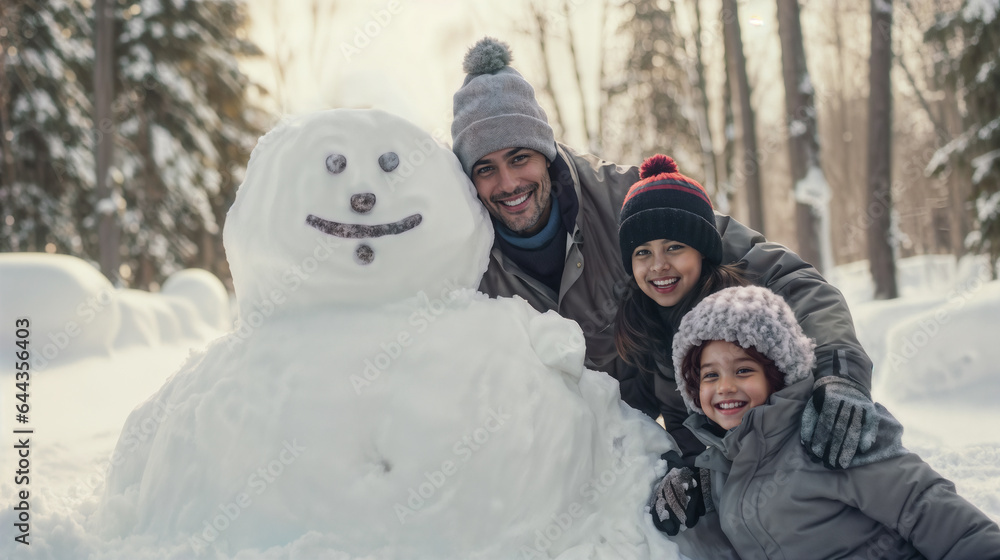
<point x="155" y="319"/>
<point x="205" y="291"/>
<point x="141" y="323"/>
<point x="69" y="304"/>
<point x="192" y="307"/>
<point x="928" y="358"/>
<point x="75" y="312"/>
<point x="190" y="320"/>
<point x="933" y="288"/>
<point x="872" y="321"/>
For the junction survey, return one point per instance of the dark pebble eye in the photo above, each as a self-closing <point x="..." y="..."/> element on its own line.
<point x="335" y="163"/>
<point x="388" y="161"/>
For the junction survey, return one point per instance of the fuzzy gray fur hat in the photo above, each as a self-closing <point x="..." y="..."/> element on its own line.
<point x="496" y="108"/>
<point x="746" y="316"/>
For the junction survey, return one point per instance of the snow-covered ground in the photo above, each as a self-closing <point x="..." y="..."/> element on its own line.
<point x="94" y="354"/>
<point x="935" y="349"/>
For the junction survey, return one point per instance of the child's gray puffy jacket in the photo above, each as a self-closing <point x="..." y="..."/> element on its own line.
<point x="774" y="502"/>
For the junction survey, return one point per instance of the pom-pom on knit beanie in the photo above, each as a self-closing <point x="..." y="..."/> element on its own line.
<point x="667" y="205"/>
<point x="748" y="316"/>
<point x="496" y="108"/>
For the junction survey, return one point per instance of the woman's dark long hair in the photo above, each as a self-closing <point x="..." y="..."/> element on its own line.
<point x="643" y="333"/>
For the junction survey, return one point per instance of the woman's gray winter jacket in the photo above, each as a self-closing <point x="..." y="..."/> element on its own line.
<point x="774" y="502"/>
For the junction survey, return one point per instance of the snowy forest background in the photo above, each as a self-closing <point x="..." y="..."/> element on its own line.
<point x="844" y="129"/>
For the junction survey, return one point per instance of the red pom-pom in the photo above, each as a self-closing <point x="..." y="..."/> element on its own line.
<point x="657" y="164"/>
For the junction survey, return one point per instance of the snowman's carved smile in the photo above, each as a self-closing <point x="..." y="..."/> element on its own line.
<point x="359" y="231"/>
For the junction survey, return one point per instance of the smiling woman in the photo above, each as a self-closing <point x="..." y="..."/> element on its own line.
<point x="666" y="270"/>
<point x="673" y="252"/>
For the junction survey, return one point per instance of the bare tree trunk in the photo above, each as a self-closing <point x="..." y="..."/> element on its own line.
<point x="279" y="62"/>
<point x="702" y="109"/>
<point x="837" y="146"/>
<point x="880" y="251"/>
<point x="605" y="97"/>
<point x="728" y="138"/>
<point x="938" y="127"/>
<point x="206" y="251"/>
<point x="803" y="145"/>
<point x="547" y="84"/>
<point x="960" y="179"/>
<point x="750" y="161"/>
<point x="579" y="81"/>
<point x="108" y="233"/>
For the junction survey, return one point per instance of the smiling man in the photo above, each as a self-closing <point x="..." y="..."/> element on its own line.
<point x="514" y="185"/>
<point x="541" y="196"/>
<point x="555" y="213"/>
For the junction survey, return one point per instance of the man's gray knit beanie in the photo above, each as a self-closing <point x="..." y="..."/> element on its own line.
<point x="746" y="316"/>
<point x="495" y="108"/>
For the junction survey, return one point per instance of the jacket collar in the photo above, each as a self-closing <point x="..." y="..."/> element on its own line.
<point x="566" y="187"/>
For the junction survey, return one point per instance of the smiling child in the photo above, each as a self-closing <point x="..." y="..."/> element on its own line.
<point x="745" y="374"/>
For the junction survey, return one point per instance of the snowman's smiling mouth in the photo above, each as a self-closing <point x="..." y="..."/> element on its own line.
<point x="359" y="231"/>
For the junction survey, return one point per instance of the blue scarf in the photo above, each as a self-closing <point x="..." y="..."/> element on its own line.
<point x="538" y="240"/>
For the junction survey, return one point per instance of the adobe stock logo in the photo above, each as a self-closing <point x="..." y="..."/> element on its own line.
<point x="471" y="442"/>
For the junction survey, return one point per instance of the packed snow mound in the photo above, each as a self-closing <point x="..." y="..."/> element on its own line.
<point x="928" y="357"/>
<point x="384" y="410"/>
<point x="149" y="319"/>
<point x="332" y="206"/>
<point x="190" y="319"/>
<point x="205" y="291"/>
<point x="428" y="430"/>
<point x="874" y="319"/>
<point x="146" y="320"/>
<point x="68" y="303"/>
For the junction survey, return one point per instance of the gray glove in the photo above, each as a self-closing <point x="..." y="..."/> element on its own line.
<point x="681" y="497"/>
<point x="839" y="420"/>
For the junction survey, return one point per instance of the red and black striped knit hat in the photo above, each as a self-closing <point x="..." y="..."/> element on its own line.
<point x="667" y="205"/>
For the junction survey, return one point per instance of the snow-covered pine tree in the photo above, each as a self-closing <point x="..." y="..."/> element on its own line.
<point x="661" y="114"/>
<point x="186" y="128"/>
<point x="46" y="157"/>
<point x="969" y="44"/>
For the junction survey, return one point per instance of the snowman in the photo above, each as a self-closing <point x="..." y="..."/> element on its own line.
<point x="371" y="403"/>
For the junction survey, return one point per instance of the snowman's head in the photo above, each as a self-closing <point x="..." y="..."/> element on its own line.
<point x="355" y="207"/>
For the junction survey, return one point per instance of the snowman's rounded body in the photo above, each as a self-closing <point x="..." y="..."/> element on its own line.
<point x="400" y="416"/>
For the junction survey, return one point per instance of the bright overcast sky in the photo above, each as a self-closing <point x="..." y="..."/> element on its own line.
<point x="405" y="56"/>
<point x="409" y="63"/>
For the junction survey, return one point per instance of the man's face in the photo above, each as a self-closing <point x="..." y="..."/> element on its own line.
<point x="514" y="185"/>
